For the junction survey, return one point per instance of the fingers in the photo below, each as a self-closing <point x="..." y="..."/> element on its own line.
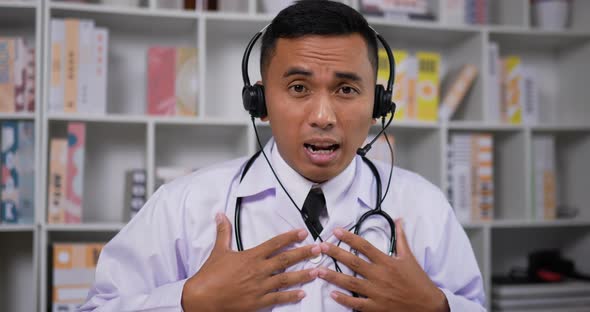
<point x="279" y="242"/>
<point x="288" y="258"/>
<point x="281" y="297"/>
<point x="361" y="245"/>
<point x="351" y="283"/>
<point x="287" y="279"/>
<point x="223" y="240"/>
<point x="352" y="261"/>
<point x="357" y="304"/>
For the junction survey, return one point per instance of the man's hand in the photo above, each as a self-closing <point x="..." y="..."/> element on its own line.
<point x="244" y="281"/>
<point x="392" y="283"/>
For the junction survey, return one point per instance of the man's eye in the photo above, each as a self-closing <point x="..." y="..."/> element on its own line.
<point x="298" y="88"/>
<point x="347" y="90"/>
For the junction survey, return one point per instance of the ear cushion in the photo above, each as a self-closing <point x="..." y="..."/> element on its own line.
<point x="253" y="100"/>
<point x="383" y="104"/>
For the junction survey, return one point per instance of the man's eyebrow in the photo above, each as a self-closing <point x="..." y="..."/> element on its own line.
<point x="297" y="71"/>
<point x="348" y="76"/>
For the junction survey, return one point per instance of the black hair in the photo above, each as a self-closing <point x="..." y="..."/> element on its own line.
<point x="316" y="17"/>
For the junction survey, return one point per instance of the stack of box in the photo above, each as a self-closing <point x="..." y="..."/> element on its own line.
<point x="79" y="66"/>
<point x="544" y="177"/>
<point x="417" y="84"/>
<point x="470" y="176"/>
<point x="17" y="76"/>
<point x="136" y="190"/>
<point x="66" y="176"/>
<point x="18" y="172"/>
<point x="513" y="89"/>
<point x="74" y="266"/>
<point x="464" y="12"/>
<point x="172" y="81"/>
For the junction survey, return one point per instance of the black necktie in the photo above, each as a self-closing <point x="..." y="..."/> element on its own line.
<point x="313" y="207"/>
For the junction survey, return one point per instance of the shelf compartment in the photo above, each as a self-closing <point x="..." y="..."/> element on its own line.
<point x="111" y="150"/>
<point x="18" y="271"/>
<point x="511" y="246"/>
<point x="226" y="41"/>
<point x="572" y="152"/>
<point x="509" y="172"/>
<point x="198" y="146"/>
<point x="457" y="47"/>
<point x="130" y="37"/>
<point x="559" y="61"/>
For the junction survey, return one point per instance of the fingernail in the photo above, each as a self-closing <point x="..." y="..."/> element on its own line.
<point x="334" y="295"/>
<point x="338" y="232"/>
<point x="316" y="250"/>
<point x="302" y="234"/>
<point x="218" y="218"/>
<point x="322" y="272"/>
<point x="314" y="273"/>
<point x="301" y="295"/>
<point x="324" y="247"/>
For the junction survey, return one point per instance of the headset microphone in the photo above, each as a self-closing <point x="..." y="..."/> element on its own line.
<point x="365" y="149"/>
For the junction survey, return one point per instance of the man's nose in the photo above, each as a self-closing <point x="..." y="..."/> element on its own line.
<point x="322" y="113"/>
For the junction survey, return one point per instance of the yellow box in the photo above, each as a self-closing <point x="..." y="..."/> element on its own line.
<point x="428" y="85"/>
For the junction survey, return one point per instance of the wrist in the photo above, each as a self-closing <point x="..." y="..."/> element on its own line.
<point x="441" y="304"/>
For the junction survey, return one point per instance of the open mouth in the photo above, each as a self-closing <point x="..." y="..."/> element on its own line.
<point x="321" y="149"/>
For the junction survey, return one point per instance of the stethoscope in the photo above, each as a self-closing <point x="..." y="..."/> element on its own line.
<point x="377" y="211"/>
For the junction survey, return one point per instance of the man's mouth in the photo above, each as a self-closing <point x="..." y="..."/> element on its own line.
<point x="321" y="148"/>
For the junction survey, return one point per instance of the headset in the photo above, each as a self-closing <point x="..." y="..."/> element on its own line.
<point x="254" y="102"/>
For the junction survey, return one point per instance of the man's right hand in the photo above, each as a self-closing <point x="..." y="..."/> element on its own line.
<point x="245" y="281"/>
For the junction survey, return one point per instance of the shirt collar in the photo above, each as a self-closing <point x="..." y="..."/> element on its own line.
<point x="259" y="179"/>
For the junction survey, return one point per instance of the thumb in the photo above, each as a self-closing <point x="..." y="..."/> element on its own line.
<point x="223" y="240"/>
<point x="402" y="247"/>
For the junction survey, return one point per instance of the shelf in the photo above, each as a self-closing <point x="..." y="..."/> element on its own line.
<point x="535" y="39"/>
<point x="123" y="10"/>
<point x="539" y="223"/>
<point x="18" y="5"/>
<point x="130" y="19"/>
<point x="213" y="121"/>
<point x="410" y="124"/>
<point x="432" y="33"/>
<point x="17" y="116"/>
<point x="236" y="17"/>
<point x="84" y="227"/>
<point x="17" y="15"/>
<point x="145" y="119"/>
<point x="108" y="118"/>
<point x="483" y="126"/>
<point x="17" y="228"/>
<point x="424" y="25"/>
<point x="561" y="128"/>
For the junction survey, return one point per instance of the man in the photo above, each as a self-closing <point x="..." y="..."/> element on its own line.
<point x="318" y="65"/>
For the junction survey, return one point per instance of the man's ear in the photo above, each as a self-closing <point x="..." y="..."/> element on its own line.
<point x="263" y="118"/>
<point x="374" y="121"/>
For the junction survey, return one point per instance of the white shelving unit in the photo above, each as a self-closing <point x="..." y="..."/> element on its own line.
<point x="126" y="138"/>
<point x="20" y="247"/>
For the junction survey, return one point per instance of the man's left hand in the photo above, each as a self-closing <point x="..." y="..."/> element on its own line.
<point x="391" y="283"/>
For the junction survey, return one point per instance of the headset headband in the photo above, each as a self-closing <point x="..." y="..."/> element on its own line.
<point x="250" y="45"/>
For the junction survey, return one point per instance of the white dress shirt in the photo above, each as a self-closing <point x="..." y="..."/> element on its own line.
<point x="144" y="267"/>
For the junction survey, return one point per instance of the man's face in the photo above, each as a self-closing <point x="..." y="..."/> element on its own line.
<point x="319" y="94"/>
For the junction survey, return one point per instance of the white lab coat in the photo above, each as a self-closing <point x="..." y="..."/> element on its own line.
<point x="145" y="266"/>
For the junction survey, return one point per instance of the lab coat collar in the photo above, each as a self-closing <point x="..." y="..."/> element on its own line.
<point x="259" y="177"/>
